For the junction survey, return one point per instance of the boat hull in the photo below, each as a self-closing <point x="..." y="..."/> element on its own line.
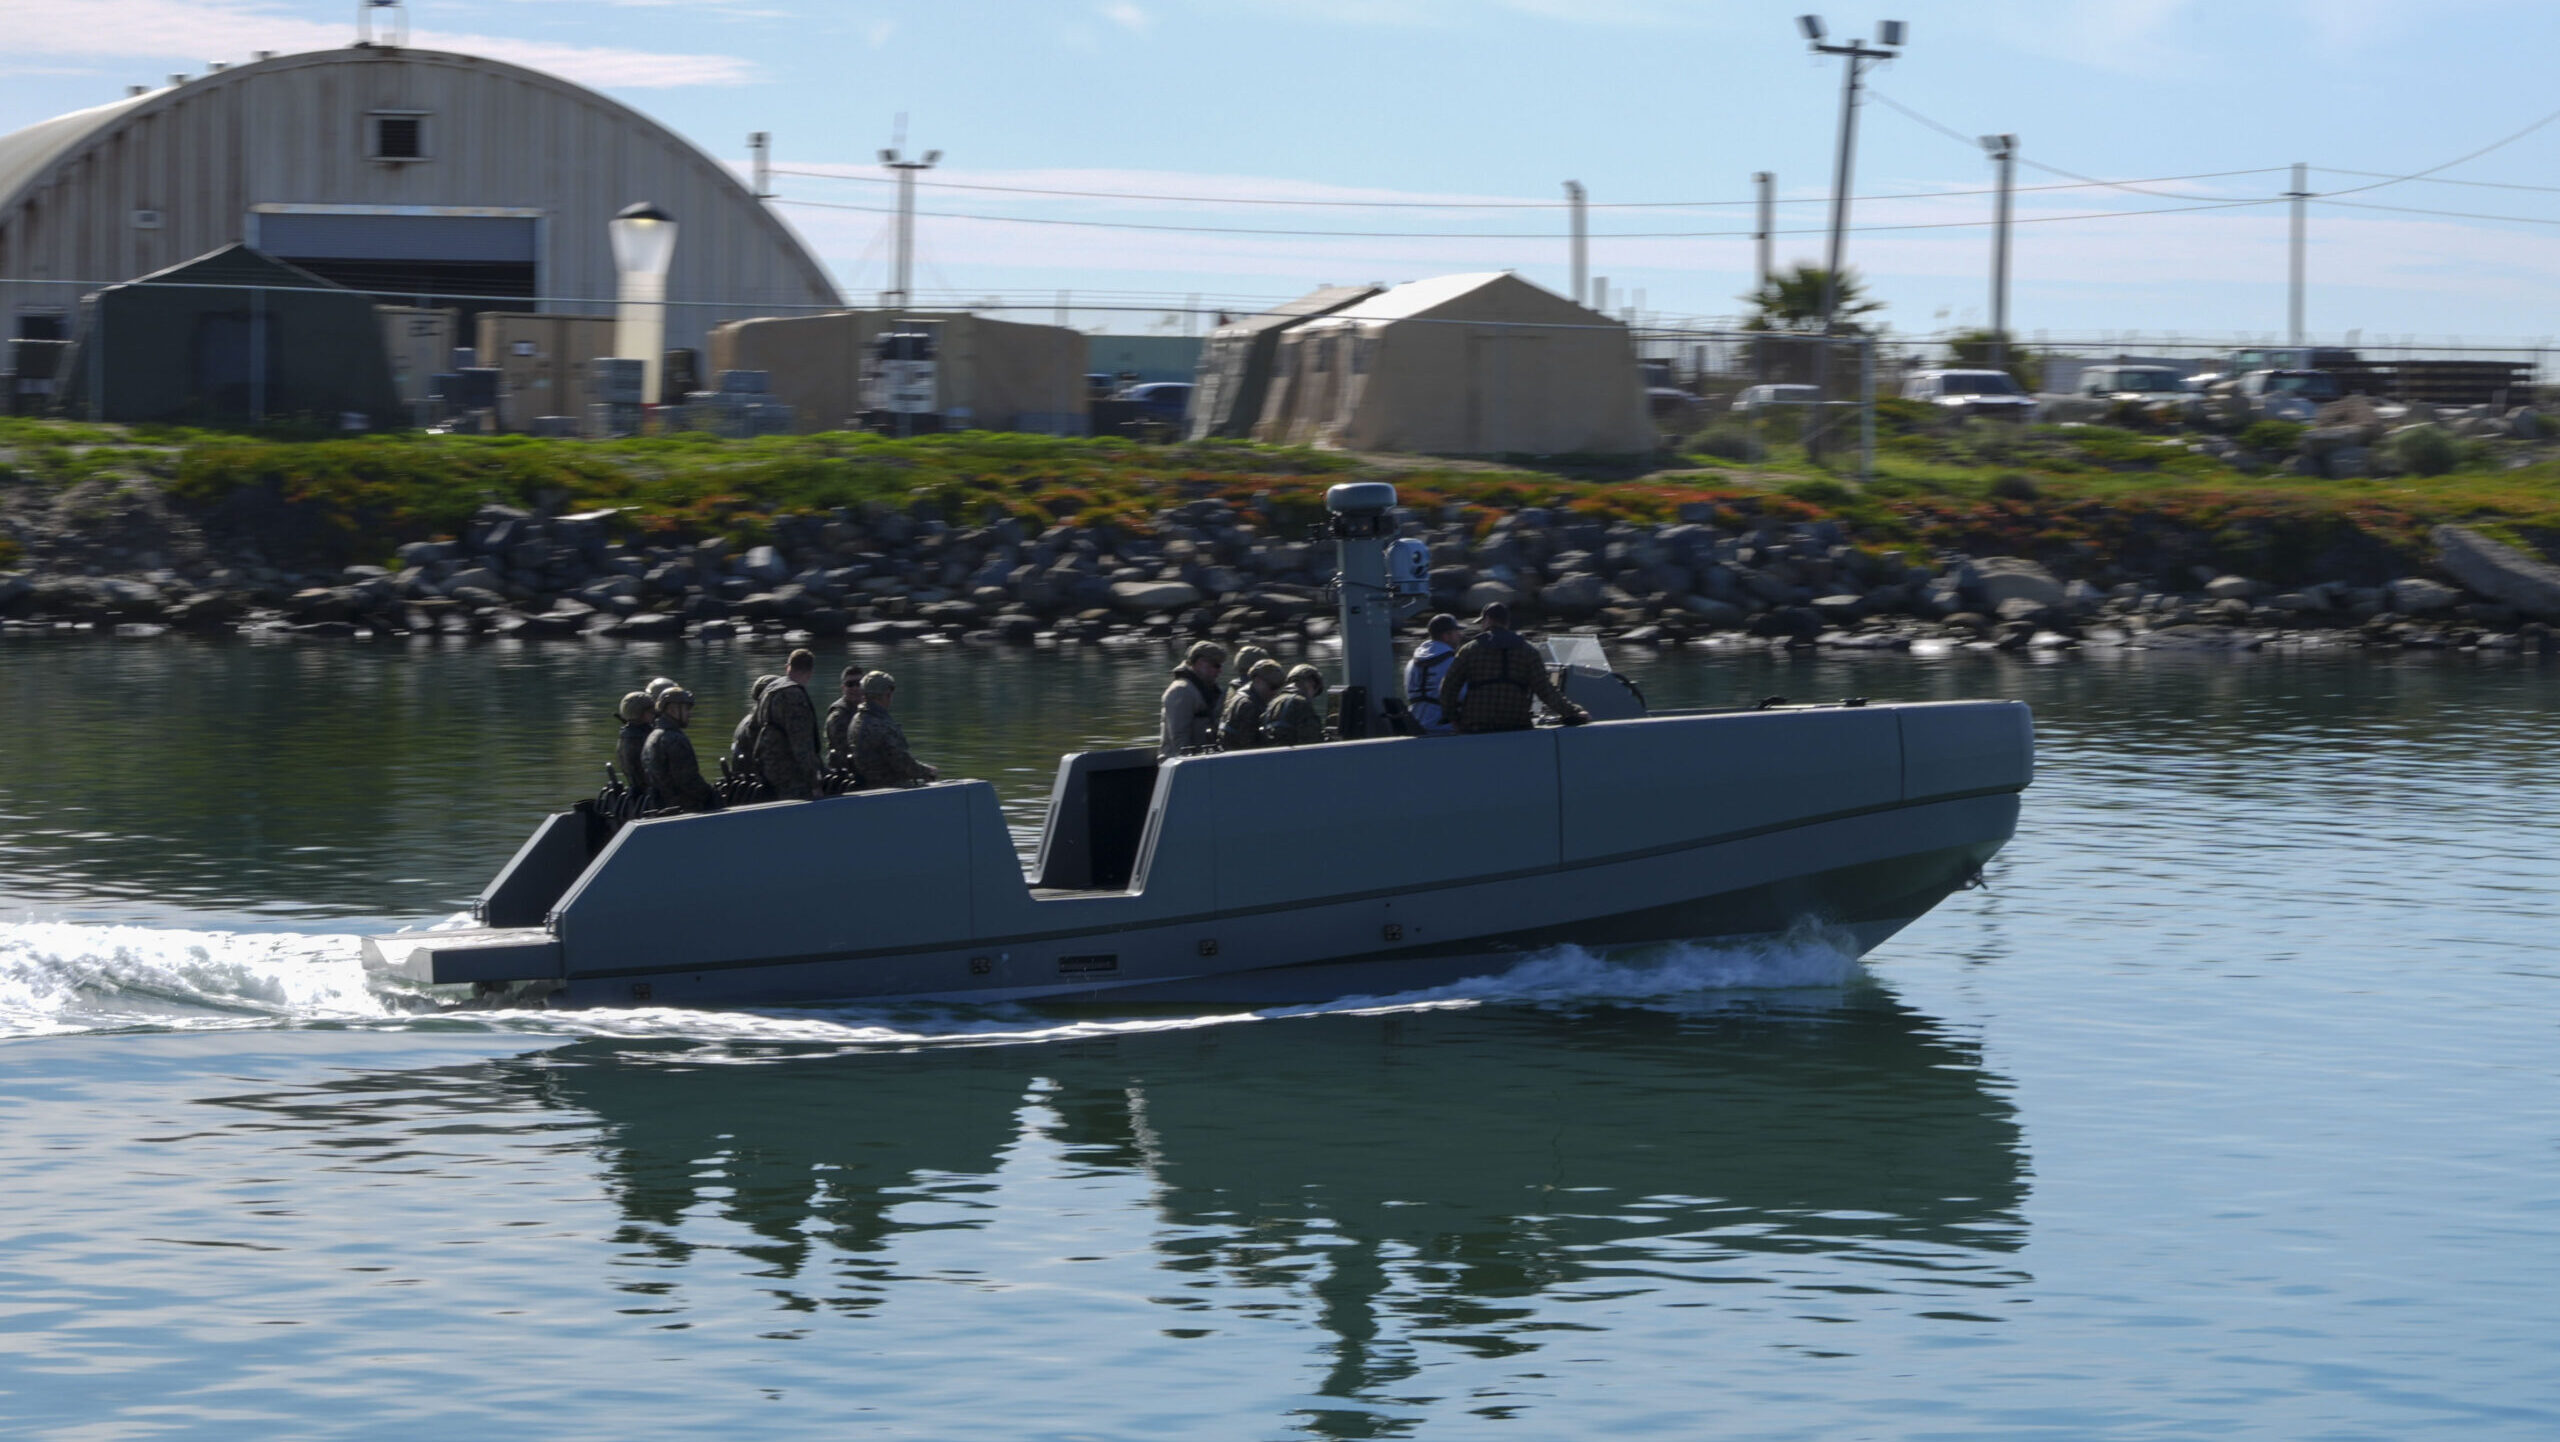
<point x="1282" y="877"/>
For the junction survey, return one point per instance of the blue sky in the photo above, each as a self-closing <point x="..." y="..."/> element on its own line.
<point x="1461" y="102"/>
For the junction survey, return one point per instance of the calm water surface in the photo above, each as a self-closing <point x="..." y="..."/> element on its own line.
<point x="2231" y="1110"/>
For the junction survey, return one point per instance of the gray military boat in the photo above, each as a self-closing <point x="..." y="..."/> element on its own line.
<point x="1379" y="863"/>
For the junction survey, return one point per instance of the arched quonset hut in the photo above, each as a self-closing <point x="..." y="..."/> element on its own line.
<point x="406" y="173"/>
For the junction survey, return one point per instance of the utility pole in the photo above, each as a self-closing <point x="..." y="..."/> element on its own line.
<point x="2297" y="195"/>
<point x="1889" y="37"/>
<point x="2004" y="149"/>
<point x="1766" y="182"/>
<point x="904" y="292"/>
<point x="760" y="147"/>
<point x="1581" y="243"/>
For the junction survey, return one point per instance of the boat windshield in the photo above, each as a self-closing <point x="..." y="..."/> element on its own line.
<point x="1578" y="651"/>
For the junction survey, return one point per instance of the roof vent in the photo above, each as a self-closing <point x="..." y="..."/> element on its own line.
<point x="132" y="90"/>
<point x="266" y="55"/>
<point x="217" y="67"/>
<point x="176" y="80"/>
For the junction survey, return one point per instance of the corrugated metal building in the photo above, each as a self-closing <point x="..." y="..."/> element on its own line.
<point x="412" y="174"/>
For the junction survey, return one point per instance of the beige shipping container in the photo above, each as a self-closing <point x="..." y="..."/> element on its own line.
<point x="419" y="344"/>
<point x="542" y="362"/>
<point x="990" y="375"/>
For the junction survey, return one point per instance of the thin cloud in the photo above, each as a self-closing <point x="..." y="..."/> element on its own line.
<point x="154" y="31"/>
<point x="1125" y="15"/>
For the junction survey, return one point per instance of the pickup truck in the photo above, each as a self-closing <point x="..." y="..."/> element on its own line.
<point x="1959" y="394"/>
<point x="2103" y="391"/>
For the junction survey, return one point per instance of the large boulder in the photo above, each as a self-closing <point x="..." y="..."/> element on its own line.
<point x="1147" y="597"/>
<point x="2500" y="572"/>
<point x="1713" y="614"/>
<point x="1487" y="593"/>
<point x="1575" y="596"/>
<point x="477" y="578"/>
<point x="2418" y="596"/>
<point x="1995" y="579"/>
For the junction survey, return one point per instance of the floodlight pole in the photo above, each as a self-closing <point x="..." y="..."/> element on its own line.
<point x="1859" y="58"/>
<point x="1766" y="183"/>
<point x="902" y="293"/>
<point x="2004" y="149"/>
<point x="760" y="147"/>
<point x="2300" y="193"/>
<point x="1573" y="196"/>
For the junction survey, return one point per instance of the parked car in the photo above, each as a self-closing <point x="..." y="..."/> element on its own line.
<point x="1991" y="395"/>
<point x="2276" y="395"/>
<point x="2102" y="389"/>
<point x="1755" y="399"/>
<point x="1165" y="401"/>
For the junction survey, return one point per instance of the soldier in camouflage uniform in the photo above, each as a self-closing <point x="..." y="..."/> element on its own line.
<point x="742" y="741"/>
<point x="839" y="754"/>
<point x="880" y="755"/>
<point x="1494" y="677"/>
<point x="1191" y="701"/>
<point x="786" y="733"/>
<point x="637" y="713"/>
<point x="1240" y="676"/>
<point x="1240" y="724"/>
<point x="1297" y="718"/>
<point x="668" y="759"/>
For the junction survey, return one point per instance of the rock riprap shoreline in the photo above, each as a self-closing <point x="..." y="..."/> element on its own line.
<point x="1219" y="568"/>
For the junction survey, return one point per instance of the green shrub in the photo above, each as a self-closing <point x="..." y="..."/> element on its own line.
<point x="2273" y="438"/>
<point x="2013" y="486"/>
<point x="2426" y="450"/>
<point x="1729" y="440"/>
<point x="1820" y="491"/>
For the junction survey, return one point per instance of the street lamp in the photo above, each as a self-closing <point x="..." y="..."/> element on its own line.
<point x="2004" y="150"/>
<point x="1889" y="39"/>
<point x="644" y="244"/>
<point x="899" y="297"/>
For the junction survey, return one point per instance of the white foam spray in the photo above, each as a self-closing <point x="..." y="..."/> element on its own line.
<point x="64" y="977"/>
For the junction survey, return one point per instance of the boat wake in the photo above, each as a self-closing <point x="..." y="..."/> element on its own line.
<point x="70" y="978"/>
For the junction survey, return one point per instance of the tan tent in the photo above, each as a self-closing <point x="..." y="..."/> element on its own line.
<point x="992" y="375"/>
<point x="1235" y="366"/>
<point x="1483" y="364"/>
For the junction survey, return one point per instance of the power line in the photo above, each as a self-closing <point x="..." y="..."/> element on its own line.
<point x="2079" y="183"/>
<point x="2457" y="160"/>
<point x="2132" y="186"/>
<point x="1512" y="234"/>
<point x="2441" y="180"/>
<point x="2385" y="178"/>
<point x="2449" y="214"/>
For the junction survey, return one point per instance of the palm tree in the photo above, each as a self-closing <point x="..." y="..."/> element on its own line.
<point x="1792" y="301"/>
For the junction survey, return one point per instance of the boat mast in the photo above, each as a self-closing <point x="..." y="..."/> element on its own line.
<point x="1360" y="529"/>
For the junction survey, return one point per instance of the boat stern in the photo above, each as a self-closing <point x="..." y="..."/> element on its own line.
<point x="473" y="955"/>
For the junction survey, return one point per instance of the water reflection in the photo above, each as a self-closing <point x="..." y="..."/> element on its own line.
<point x="1409" y="1181"/>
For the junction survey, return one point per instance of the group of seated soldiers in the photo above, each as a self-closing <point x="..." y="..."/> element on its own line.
<point x="779" y="751"/>
<point x="1487" y="684"/>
